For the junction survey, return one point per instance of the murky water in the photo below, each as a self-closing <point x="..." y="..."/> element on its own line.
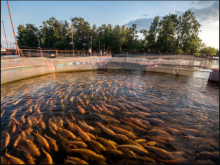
<point x="149" y="117"/>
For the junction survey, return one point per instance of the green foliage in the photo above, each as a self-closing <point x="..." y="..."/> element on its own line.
<point x="209" y="51"/>
<point x="179" y="51"/>
<point x="28" y="36"/>
<point x="168" y="34"/>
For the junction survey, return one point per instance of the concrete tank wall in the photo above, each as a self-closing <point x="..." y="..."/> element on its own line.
<point x="13" y="70"/>
<point x="214" y="76"/>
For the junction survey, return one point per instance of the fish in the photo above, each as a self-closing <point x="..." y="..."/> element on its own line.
<point x="81" y="110"/>
<point x="77" y="160"/>
<point x="69" y="161"/>
<point x="128" y="153"/>
<point x="17" y="101"/>
<point x="99" y="108"/>
<point x="71" y="125"/>
<point x="208" y="154"/>
<point x="85" y="126"/>
<point x="13" y="128"/>
<point x="42" y="140"/>
<point x="113" y="107"/>
<point x="80" y="144"/>
<point x="134" y="126"/>
<point x="17" y="140"/>
<point x="108" y="143"/>
<point x="28" y="156"/>
<point x="98" y="146"/>
<point x="136" y="122"/>
<point x="81" y="101"/>
<point x="94" y="109"/>
<point x="158" y="132"/>
<point x="4" y="160"/>
<point x="22" y="119"/>
<point x="91" y="135"/>
<point x="32" y="147"/>
<point x="86" y="152"/>
<point x="2" y="113"/>
<point x="106" y="110"/>
<point x="67" y="133"/>
<point x="82" y="134"/>
<point x="105" y="129"/>
<point x="14" y="160"/>
<point x="7" y="139"/>
<point x="139" y="107"/>
<point x="163" y="153"/>
<point x="129" y="134"/>
<point x="13" y="113"/>
<point x="52" y="142"/>
<point x="14" y="121"/>
<point x="52" y="125"/>
<point x="49" y="158"/>
<point x="145" y="158"/>
<point x="113" y="120"/>
<point x="59" y="121"/>
<point x="179" y="160"/>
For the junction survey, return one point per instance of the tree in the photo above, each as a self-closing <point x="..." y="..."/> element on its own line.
<point x="209" y="51"/>
<point x="151" y="38"/>
<point x="82" y="33"/>
<point x="189" y="27"/>
<point x="28" y="36"/>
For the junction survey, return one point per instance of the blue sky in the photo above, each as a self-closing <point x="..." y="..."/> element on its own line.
<point x="113" y="12"/>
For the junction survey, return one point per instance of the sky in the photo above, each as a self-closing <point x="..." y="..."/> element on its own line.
<point x="109" y="12"/>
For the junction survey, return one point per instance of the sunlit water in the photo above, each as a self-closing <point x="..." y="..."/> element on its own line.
<point x="189" y="105"/>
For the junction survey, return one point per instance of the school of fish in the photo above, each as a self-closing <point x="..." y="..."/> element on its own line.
<point x="116" y="117"/>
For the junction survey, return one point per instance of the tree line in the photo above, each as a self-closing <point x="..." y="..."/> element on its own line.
<point x="172" y="33"/>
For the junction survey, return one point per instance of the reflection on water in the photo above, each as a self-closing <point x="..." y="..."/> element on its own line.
<point x="111" y="117"/>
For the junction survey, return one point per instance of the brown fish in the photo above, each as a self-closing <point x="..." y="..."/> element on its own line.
<point x="129" y="134"/>
<point x="14" y="160"/>
<point x="49" y="158"/>
<point x="82" y="133"/>
<point x="106" y="142"/>
<point x="86" y="152"/>
<point x="77" y="160"/>
<point x="105" y="129"/>
<point x="68" y="133"/>
<point x="81" y="110"/>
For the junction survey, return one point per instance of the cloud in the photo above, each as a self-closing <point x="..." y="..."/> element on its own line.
<point x="142" y="23"/>
<point x="179" y="12"/>
<point x="192" y="3"/>
<point x="144" y="15"/>
<point x="210" y="13"/>
<point x="203" y="3"/>
<point x="216" y="23"/>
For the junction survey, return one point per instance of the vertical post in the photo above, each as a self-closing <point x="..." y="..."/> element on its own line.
<point x="91" y="45"/>
<point x="6" y="39"/>
<point x="99" y="46"/>
<point x="72" y="35"/>
<point x="13" y="27"/>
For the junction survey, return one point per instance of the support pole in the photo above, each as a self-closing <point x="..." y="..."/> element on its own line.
<point x="6" y="39"/>
<point x="72" y="36"/>
<point x="13" y="28"/>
